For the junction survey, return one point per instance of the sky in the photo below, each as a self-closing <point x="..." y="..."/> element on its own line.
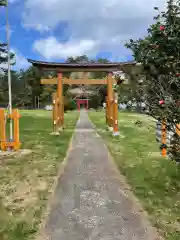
<point x="52" y="30"/>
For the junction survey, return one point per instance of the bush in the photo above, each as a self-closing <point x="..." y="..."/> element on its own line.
<point x="69" y="105"/>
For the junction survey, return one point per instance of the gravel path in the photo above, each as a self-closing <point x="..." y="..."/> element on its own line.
<point x="90" y="201"/>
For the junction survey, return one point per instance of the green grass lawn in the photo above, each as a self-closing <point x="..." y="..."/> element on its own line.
<point x="154" y="180"/>
<point x="26" y="180"/>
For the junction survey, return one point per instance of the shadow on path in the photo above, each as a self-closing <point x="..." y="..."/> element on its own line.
<point x="90" y="201"/>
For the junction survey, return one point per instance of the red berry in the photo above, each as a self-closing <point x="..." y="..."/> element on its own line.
<point x="161" y="102"/>
<point x="177" y="74"/>
<point x="161" y="28"/>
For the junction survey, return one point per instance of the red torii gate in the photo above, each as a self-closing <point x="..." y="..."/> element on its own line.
<point x="84" y="102"/>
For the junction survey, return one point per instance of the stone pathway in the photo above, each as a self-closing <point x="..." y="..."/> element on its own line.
<point x="90" y="201"/>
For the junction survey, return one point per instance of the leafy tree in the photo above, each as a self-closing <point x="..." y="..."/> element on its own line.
<point x="159" y="54"/>
<point x="101" y="75"/>
<point x="33" y="77"/>
<point x="78" y="59"/>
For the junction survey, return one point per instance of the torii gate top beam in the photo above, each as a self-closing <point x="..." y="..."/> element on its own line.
<point x="90" y="67"/>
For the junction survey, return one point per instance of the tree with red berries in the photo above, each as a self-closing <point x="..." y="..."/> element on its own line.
<point x="159" y="54"/>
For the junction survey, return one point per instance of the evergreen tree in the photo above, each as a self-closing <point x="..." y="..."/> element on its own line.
<point x="3" y="48"/>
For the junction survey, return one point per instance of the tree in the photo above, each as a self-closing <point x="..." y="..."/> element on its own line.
<point x="159" y="54"/>
<point x="3" y="3"/>
<point x="3" y="49"/>
<point x="33" y="81"/>
<point x="78" y="59"/>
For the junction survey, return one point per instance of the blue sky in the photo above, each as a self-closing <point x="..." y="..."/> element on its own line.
<point x="52" y="30"/>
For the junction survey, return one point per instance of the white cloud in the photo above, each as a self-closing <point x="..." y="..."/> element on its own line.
<point x="50" y="48"/>
<point x="49" y="13"/>
<point x="106" y="23"/>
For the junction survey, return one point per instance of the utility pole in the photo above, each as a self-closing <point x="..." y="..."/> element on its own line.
<point x="9" y="71"/>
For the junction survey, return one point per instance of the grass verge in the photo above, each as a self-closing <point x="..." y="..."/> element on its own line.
<point x="26" y="180"/>
<point x="154" y="180"/>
